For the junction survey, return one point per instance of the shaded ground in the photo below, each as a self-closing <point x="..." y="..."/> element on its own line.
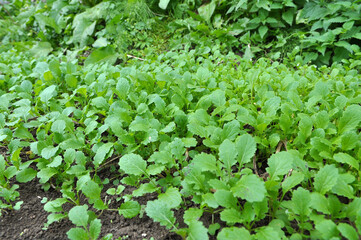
<point x="28" y="222"/>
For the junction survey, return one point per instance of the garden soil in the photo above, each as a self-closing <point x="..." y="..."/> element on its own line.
<point x="28" y="223"/>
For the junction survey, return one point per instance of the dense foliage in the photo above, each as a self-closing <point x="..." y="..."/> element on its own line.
<point x="210" y="106"/>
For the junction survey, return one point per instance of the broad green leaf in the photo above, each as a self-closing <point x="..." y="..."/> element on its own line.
<point x="231" y="216"/>
<point x="77" y="234"/>
<point x="342" y="188"/>
<point x="171" y="197"/>
<point x="301" y="199"/>
<point x="161" y="213"/>
<point x="132" y="164"/>
<point x="23" y="133"/>
<point x="25" y="175"/>
<point x="197" y="231"/>
<point x="218" y="98"/>
<point x="234" y="233"/>
<point x="49" y="152"/>
<point x="345" y="158"/>
<point x="206" y="11"/>
<point x="288" y="16"/>
<point x="350" y="119"/>
<point x="292" y="181"/>
<point x="122" y="88"/>
<point x="267" y="233"/>
<point x="325" y="179"/>
<point x="48" y="93"/>
<point x="205" y="162"/>
<point x="95" y="228"/>
<point x="45" y="174"/>
<point x="129" y="209"/>
<point x="348" y="231"/>
<point x="225" y="198"/>
<point x="101" y="153"/>
<point x="101" y="55"/>
<point x="192" y="214"/>
<point x="41" y="49"/>
<point x="327" y="228"/>
<point x="71" y="80"/>
<point x="262" y="30"/>
<point x="349" y="140"/>
<point x="163" y="4"/>
<point x="92" y="190"/>
<point x="231" y="130"/>
<point x="246" y="148"/>
<point x="58" y="126"/>
<point x="319" y="203"/>
<point x="279" y="164"/>
<point x="227" y="153"/>
<point x="250" y="188"/>
<point x="79" y="215"/>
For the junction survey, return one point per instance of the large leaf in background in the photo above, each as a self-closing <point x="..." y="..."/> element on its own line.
<point x="132" y="164"/>
<point x="206" y="11"/>
<point x="163" y="4"/>
<point x="41" y="49"/>
<point x="279" y="164"/>
<point x="101" y="55"/>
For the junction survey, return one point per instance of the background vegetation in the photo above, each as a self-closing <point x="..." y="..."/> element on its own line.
<point x="247" y="110"/>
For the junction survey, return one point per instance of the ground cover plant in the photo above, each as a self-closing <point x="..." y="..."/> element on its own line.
<point x="239" y="146"/>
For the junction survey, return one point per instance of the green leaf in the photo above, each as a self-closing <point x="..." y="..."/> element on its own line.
<point x="79" y="215"/>
<point x="231" y="216"/>
<point x="129" y="209"/>
<point x="49" y="152"/>
<point x="350" y="119"/>
<point x="345" y="158"/>
<point x="26" y="175"/>
<point x="91" y="189"/>
<point x="228" y="153"/>
<point x="225" y="199"/>
<point x="171" y="197"/>
<point x="246" y="148"/>
<point x="234" y="233"/>
<point x="71" y="80"/>
<point x="250" y="188"/>
<point x="205" y="162"/>
<point x="218" y="98"/>
<point x="327" y="228"/>
<point x="325" y="179"/>
<point x="132" y="164"/>
<point x="23" y="133"/>
<point x="58" y="126"/>
<point x="262" y="31"/>
<point x="347" y="231"/>
<point x="292" y="181"/>
<point x="279" y="164"/>
<point x="267" y="233"/>
<point x="163" y="4"/>
<point x="319" y="203"/>
<point x="301" y="199"/>
<point x="101" y="153"/>
<point x="161" y="213"/>
<point x="48" y="93"/>
<point x="288" y="16"/>
<point x="45" y="174"/>
<point x="77" y="234"/>
<point x="197" y="231"/>
<point x="41" y="49"/>
<point x="349" y="140"/>
<point x="95" y="228"/>
<point x="192" y="214"/>
<point x="102" y="55"/>
<point x="206" y="11"/>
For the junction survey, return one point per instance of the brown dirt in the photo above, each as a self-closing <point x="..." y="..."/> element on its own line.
<point x="28" y="222"/>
